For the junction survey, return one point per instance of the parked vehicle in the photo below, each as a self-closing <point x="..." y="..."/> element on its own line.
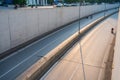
<point x="59" y="5"/>
<point x="66" y="5"/>
<point x="73" y="4"/>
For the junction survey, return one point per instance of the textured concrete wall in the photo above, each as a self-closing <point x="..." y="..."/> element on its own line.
<point x="19" y="26"/>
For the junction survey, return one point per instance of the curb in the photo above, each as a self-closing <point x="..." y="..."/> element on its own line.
<point x="37" y="70"/>
<point x="12" y="50"/>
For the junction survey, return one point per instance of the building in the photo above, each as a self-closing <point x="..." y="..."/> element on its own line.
<point x="7" y="1"/>
<point x="37" y="2"/>
<point x="29" y="2"/>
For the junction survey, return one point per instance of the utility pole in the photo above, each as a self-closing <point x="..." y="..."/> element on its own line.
<point x="119" y="4"/>
<point x="36" y="3"/>
<point x="63" y="2"/>
<point x="105" y="8"/>
<point x="81" y="52"/>
<point x="46" y="3"/>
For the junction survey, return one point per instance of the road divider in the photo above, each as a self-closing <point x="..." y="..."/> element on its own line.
<point x="38" y="69"/>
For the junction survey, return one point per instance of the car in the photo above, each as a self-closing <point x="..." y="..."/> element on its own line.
<point x="59" y="5"/>
<point x="73" y="4"/>
<point x="66" y="5"/>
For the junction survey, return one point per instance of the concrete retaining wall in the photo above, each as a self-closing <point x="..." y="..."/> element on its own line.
<point x="38" y="69"/>
<point x="19" y="26"/>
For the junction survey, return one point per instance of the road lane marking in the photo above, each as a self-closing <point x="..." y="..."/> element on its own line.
<point x="34" y="53"/>
<point x="28" y="58"/>
<point x="48" y="36"/>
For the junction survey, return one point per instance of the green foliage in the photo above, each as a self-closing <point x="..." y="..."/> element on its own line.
<point x="50" y="1"/>
<point x="19" y="2"/>
<point x="72" y="1"/>
<point x="92" y="1"/>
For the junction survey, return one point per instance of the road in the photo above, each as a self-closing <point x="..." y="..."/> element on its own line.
<point x="18" y="62"/>
<point x="95" y="50"/>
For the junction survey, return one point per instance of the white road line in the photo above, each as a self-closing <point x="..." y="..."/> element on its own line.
<point x="28" y="58"/>
<point x="74" y="72"/>
<point x="40" y="40"/>
<point x="32" y="54"/>
<point x="46" y="74"/>
<point x="34" y="43"/>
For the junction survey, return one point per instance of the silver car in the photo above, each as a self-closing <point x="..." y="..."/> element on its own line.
<point x="59" y="5"/>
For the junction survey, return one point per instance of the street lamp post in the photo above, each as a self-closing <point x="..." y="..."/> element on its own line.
<point x="32" y="4"/>
<point x="36" y="3"/>
<point x="119" y="4"/>
<point x="81" y="54"/>
<point x="105" y="8"/>
<point x="63" y="2"/>
<point x="46" y="2"/>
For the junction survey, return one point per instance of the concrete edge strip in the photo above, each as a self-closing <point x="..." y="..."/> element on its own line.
<point x="12" y="50"/>
<point x="37" y="70"/>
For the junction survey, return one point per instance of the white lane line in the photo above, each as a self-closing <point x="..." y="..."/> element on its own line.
<point x="59" y="61"/>
<point x="74" y="72"/>
<point x="42" y="39"/>
<point x="44" y="77"/>
<point x="34" y="43"/>
<point x="29" y="56"/>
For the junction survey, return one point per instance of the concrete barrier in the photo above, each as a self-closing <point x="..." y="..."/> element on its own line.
<point x="19" y="27"/>
<point x="42" y="66"/>
<point x="116" y="60"/>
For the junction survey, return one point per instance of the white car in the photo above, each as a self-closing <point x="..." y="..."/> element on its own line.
<point x="59" y="5"/>
<point x="66" y="5"/>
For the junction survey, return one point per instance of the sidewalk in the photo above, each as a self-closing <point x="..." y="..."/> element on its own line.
<point x="95" y="48"/>
<point x="116" y="63"/>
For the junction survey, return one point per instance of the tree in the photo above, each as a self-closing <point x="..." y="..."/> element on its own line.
<point x="50" y="2"/>
<point x="19" y="2"/>
<point x="72" y="1"/>
<point x="90" y="1"/>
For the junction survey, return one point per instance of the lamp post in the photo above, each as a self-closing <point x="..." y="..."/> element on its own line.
<point x="36" y="3"/>
<point x="81" y="54"/>
<point x="32" y="4"/>
<point x="46" y="2"/>
<point x="119" y="4"/>
<point x="105" y="9"/>
<point x="63" y="2"/>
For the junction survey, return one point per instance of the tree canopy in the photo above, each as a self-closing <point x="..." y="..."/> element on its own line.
<point x="20" y="2"/>
<point x="90" y="1"/>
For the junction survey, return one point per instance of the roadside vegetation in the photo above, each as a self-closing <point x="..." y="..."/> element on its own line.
<point x="90" y="1"/>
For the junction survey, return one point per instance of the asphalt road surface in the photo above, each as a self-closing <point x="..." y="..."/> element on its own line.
<point x="18" y="62"/>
